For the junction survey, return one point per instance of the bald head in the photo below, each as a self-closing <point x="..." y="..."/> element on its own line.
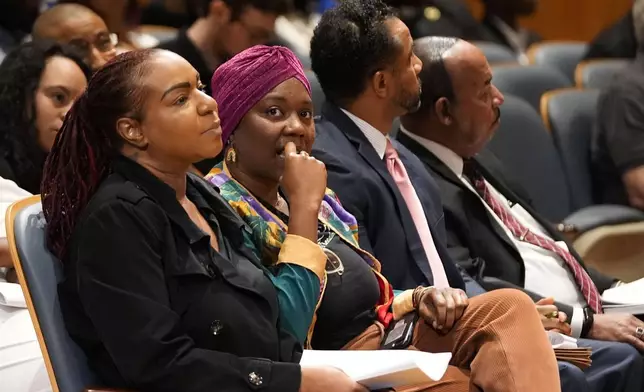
<point x="77" y="25"/>
<point x="460" y="106"/>
<point x="447" y="62"/>
<point x="51" y="22"/>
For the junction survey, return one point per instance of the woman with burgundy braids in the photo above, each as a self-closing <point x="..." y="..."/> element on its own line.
<point x="160" y="291"/>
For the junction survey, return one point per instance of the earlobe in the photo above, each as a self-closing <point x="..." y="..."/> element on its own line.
<point x="443" y="111"/>
<point x="379" y="82"/>
<point x="131" y="132"/>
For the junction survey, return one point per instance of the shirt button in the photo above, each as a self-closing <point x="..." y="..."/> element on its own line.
<point x="216" y="327"/>
<point x="255" y="379"/>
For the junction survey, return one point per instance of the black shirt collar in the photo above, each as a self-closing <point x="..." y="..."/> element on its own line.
<point x="204" y="195"/>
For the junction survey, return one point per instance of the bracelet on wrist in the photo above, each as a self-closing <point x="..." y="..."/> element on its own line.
<point x="417" y="295"/>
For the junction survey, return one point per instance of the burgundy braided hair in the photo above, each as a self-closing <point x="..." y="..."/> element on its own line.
<point x="88" y="141"/>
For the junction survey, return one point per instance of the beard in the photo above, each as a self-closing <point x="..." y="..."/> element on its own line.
<point x="409" y="100"/>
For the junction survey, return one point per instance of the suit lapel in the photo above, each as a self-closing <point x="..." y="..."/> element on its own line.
<point x="436" y="165"/>
<point x="369" y="154"/>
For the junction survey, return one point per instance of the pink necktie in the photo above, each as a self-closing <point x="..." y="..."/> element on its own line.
<point x="399" y="174"/>
<point x="585" y="283"/>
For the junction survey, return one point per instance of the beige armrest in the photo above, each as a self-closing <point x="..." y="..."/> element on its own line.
<point x="615" y="250"/>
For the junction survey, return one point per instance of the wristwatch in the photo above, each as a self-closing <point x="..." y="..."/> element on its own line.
<point x="589" y="319"/>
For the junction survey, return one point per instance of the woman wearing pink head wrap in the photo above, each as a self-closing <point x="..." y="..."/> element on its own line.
<point x="271" y="181"/>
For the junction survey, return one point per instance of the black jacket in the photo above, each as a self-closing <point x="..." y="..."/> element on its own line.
<point x="155" y="308"/>
<point x="453" y="19"/>
<point x="616" y="41"/>
<point x="491" y="33"/>
<point x="474" y="238"/>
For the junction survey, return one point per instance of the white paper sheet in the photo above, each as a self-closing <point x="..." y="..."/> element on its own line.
<point x="382" y="368"/>
<point x="630" y="293"/>
<point x="11" y="295"/>
<point x="558" y="340"/>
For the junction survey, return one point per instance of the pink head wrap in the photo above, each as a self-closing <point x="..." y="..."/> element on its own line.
<point x="245" y="79"/>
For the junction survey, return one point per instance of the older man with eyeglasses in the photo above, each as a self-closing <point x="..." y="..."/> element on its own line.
<point x="77" y="25"/>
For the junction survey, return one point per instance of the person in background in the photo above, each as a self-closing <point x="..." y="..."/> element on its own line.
<point x="80" y="27"/>
<point x="458" y="116"/>
<point x="122" y="18"/>
<point x="16" y="19"/>
<point x="39" y="81"/>
<point x="160" y="291"/>
<point x="618" y="40"/>
<point x="171" y="13"/>
<point x="501" y="25"/>
<point x="618" y="139"/>
<point x="449" y="18"/>
<point x="265" y="105"/>
<point x="223" y="29"/>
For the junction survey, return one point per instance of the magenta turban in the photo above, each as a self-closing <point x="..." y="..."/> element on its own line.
<point x="245" y="79"/>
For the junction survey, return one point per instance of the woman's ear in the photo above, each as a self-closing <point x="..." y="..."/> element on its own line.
<point x="130" y="131"/>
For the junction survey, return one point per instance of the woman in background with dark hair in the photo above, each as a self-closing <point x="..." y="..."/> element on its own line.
<point x="160" y="290"/>
<point x="39" y="81"/>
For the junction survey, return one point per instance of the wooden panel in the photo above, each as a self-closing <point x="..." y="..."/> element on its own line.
<point x="570" y="19"/>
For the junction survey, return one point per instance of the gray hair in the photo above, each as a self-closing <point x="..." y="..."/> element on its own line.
<point x="435" y="80"/>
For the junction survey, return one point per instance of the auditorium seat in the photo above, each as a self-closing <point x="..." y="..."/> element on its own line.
<point x="496" y="53"/>
<point x="569" y="115"/>
<point x="528" y="152"/>
<point x="528" y="82"/>
<point x="598" y="73"/>
<point x="563" y="56"/>
<point x="39" y="273"/>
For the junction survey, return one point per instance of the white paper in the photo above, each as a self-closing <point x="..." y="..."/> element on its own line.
<point x="382" y="368"/>
<point x="629" y="293"/>
<point x="624" y="308"/>
<point x="11" y="295"/>
<point x="558" y="340"/>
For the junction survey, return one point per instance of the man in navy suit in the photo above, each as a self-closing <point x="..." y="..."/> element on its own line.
<point x="351" y="140"/>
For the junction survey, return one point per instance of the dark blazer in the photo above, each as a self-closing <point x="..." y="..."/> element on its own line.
<point x="361" y="180"/>
<point x="474" y="238"/>
<point x="155" y="308"/>
<point x="453" y="20"/>
<point x="491" y="33"/>
<point x="616" y="41"/>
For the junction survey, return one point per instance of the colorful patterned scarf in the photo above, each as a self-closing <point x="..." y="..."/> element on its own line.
<point x="269" y="231"/>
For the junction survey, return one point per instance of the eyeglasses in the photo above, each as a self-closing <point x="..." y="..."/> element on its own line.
<point x="104" y="42"/>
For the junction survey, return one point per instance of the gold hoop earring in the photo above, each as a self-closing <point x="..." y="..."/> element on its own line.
<point x="231" y="155"/>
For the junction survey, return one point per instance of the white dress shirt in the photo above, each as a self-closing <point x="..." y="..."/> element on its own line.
<point x="22" y="368"/>
<point x="545" y="272"/>
<point x="377" y="139"/>
<point x="518" y="39"/>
